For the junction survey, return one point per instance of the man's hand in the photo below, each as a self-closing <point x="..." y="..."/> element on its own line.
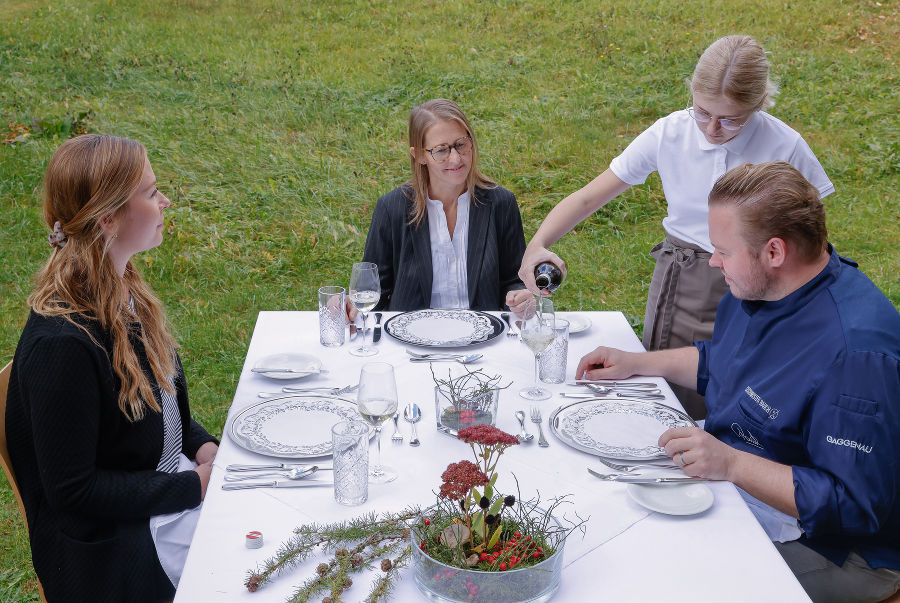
<point x="608" y="363"/>
<point x="699" y="453"/>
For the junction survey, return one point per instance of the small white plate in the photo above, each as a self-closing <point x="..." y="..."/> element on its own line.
<point x="672" y="499"/>
<point x="308" y="365"/>
<point x="577" y="322"/>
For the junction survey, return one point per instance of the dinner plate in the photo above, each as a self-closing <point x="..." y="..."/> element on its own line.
<point x="291" y="427"/>
<point x="577" y="322"/>
<point x="305" y="363"/>
<point x="443" y="328"/>
<point x="626" y="429"/>
<point x="672" y="499"/>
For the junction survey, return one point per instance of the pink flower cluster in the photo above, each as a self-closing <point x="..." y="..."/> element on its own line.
<point x="459" y="478"/>
<point x="486" y="435"/>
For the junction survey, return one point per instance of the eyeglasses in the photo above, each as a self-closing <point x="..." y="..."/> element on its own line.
<point x="441" y="152"/>
<point x="702" y="117"/>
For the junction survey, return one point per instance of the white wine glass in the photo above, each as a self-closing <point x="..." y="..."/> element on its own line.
<point x="365" y="291"/>
<point x="537" y="332"/>
<point x="377" y="402"/>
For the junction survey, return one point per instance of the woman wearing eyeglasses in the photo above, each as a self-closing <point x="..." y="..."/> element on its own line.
<point x="449" y="237"/>
<point x="723" y="128"/>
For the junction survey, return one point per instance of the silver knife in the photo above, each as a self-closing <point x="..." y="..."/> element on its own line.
<point x="275" y="484"/>
<point x="637" y="479"/>
<point x="376" y="335"/>
<point x="610" y="383"/>
<point x="638" y="395"/>
<point x="272" y="466"/>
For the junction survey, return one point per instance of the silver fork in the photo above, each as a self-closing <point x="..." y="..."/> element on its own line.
<point x="635" y="466"/>
<point x="536" y="419"/>
<point x="397" y="438"/>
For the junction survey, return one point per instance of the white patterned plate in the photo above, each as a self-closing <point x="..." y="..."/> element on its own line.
<point x="672" y="499"/>
<point x="621" y="428"/>
<point x="577" y="322"/>
<point x="291" y="427"/>
<point x="305" y="363"/>
<point x="443" y="328"/>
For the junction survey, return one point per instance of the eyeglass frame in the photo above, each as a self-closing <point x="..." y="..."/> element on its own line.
<point x="451" y="148"/>
<point x="731" y="123"/>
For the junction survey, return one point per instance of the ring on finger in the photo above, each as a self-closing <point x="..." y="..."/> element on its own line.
<point x="681" y="457"/>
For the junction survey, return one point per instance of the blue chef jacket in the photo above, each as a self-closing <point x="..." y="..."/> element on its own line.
<point x="813" y="381"/>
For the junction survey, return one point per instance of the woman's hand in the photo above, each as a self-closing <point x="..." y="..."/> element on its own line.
<point x="203" y="470"/>
<point x="206" y="453"/>
<point x="534" y="256"/>
<point x="517" y="300"/>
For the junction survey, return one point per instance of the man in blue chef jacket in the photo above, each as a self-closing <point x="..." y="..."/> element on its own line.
<point x="802" y="385"/>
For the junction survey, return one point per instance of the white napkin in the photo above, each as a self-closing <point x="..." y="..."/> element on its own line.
<point x="172" y="533"/>
<point x="780" y="527"/>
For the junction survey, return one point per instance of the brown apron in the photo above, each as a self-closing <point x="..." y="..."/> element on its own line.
<point x="681" y="305"/>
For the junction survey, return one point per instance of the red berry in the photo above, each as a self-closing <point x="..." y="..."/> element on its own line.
<point x="517" y="535"/>
<point x="503" y="566"/>
<point x="426" y="521"/>
<point x="535" y="554"/>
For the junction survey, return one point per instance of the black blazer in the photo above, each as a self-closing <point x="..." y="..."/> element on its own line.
<point x="403" y="252"/>
<point x="87" y="475"/>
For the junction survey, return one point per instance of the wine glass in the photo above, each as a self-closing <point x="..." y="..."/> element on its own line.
<point x="377" y="402"/>
<point x="537" y="331"/>
<point x="365" y="291"/>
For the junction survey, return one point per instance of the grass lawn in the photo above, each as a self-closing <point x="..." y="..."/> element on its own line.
<point x="274" y="126"/>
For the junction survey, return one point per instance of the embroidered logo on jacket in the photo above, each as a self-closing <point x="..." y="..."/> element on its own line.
<point x="745" y="435"/>
<point x="848" y="443"/>
<point x="772" y="412"/>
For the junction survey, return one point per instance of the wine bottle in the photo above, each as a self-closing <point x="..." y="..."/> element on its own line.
<point x="548" y="276"/>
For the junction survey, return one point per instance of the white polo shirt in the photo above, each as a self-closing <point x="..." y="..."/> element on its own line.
<point x="689" y="165"/>
<point x="449" y="281"/>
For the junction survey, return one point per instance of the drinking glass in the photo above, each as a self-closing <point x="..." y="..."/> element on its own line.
<point x="365" y="291"/>
<point x="553" y="359"/>
<point x="350" y="441"/>
<point x="331" y="316"/>
<point x="377" y="402"/>
<point x="538" y="322"/>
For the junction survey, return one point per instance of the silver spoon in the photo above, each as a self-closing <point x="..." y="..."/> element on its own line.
<point x="293" y="473"/>
<point x="462" y="359"/>
<point x="523" y="436"/>
<point x="412" y="414"/>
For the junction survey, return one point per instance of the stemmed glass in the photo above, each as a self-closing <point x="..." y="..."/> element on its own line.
<point x="377" y="402"/>
<point x="365" y="291"/>
<point x="537" y="331"/>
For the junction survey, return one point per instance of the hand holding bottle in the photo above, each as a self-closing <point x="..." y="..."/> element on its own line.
<point x="533" y="258"/>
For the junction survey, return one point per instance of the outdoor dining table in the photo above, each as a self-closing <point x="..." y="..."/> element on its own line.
<point x="626" y="553"/>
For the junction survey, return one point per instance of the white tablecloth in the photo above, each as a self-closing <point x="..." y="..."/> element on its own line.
<point x="627" y="553"/>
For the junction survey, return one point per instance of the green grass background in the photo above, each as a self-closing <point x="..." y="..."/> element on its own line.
<point x="274" y="126"/>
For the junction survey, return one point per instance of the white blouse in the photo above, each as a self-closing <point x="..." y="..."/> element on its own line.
<point x="689" y="165"/>
<point x="449" y="284"/>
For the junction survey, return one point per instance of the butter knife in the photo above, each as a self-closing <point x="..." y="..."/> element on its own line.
<point x="637" y="479"/>
<point x="272" y="467"/>
<point x="275" y="484"/>
<point x="610" y="383"/>
<point x="376" y="335"/>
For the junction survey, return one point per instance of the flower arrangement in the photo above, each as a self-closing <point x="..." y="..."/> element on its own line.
<point x="474" y="544"/>
<point x="467" y="400"/>
<point x="472" y="525"/>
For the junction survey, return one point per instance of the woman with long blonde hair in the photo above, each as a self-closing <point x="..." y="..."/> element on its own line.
<point x="98" y="424"/>
<point x="724" y="126"/>
<point x="449" y="237"/>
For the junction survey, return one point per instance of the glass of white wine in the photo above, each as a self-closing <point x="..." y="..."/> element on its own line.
<point x="538" y="331"/>
<point x="365" y="291"/>
<point x="377" y="402"/>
